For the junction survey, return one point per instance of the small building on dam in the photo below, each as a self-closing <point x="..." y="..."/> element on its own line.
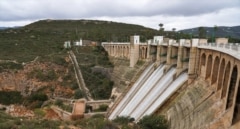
<point x="195" y="84"/>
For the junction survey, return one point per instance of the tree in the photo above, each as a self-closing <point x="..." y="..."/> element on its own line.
<point x="78" y="94"/>
<point x="160" y="25"/>
<point x="153" y="122"/>
<point x="161" y="28"/>
<point x="201" y="32"/>
<point x="173" y="31"/>
<point x="215" y="29"/>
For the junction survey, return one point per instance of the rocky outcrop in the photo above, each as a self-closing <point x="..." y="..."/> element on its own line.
<point x="25" y="82"/>
<point x="19" y="111"/>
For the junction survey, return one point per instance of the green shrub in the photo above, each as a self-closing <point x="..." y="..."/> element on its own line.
<point x="58" y="102"/>
<point x="102" y="108"/>
<point x="10" y="97"/>
<point x="42" y="76"/>
<point x="78" y="94"/>
<point x="153" y="122"/>
<point x="51" y="75"/>
<point x="39" y="112"/>
<point x="38" y="97"/>
<point x="60" y="61"/>
<point x="97" y="122"/>
<point x="74" y="86"/>
<point x="122" y="120"/>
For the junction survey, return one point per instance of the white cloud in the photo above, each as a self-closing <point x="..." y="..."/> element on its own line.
<point x="225" y="17"/>
<point x="172" y="13"/>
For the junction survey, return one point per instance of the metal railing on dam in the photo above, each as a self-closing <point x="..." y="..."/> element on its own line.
<point x="230" y="48"/>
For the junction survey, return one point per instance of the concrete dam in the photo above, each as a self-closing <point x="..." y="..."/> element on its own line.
<point x="195" y="84"/>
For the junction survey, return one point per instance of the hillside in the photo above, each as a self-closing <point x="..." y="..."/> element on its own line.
<point x="46" y="37"/>
<point x="222" y="31"/>
<point x="36" y="71"/>
<point x="92" y="29"/>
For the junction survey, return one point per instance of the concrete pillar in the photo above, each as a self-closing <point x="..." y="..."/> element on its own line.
<point x="134" y="50"/>
<point x="169" y="52"/>
<point x="148" y="48"/>
<point x="128" y="52"/>
<point x="192" y="72"/>
<point x="160" y="41"/>
<point x="163" y="51"/>
<point x="158" y="53"/>
<point x="117" y="51"/>
<point x="124" y="51"/>
<point x="111" y="50"/>
<point x="180" y="54"/>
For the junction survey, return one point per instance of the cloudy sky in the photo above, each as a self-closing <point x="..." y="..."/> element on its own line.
<point x="179" y="14"/>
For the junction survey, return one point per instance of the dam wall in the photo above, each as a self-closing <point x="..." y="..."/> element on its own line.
<point x="202" y="92"/>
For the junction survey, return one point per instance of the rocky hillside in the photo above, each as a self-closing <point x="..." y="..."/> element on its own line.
<point x="57" y="79"/>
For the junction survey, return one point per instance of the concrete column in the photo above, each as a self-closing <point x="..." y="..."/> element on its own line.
<point x="141" y="53"/>
<point x="122" y="51"/>
<point x="158" y="53"/>
<point x="148" y="49"/>
<point x="134" y="55"/>
<point x="158" y="40"/>
<point x="111" y="50"/>
<point x="134" y="52"/>
<point x="193" y="59"/>
<point x="117" y="51"/>
<point x="162" y="52"/>
<point x="180" y="54"/>
<point x="128" y="52"/>
<point x="180" y="57"/>
<point x="169" y="52"/>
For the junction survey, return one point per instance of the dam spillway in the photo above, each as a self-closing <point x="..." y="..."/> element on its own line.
<point x="149" y="92"/>
<point x="166" y="93"/>
<point x="142" y="92"/>
<point x="143" y="77"/>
